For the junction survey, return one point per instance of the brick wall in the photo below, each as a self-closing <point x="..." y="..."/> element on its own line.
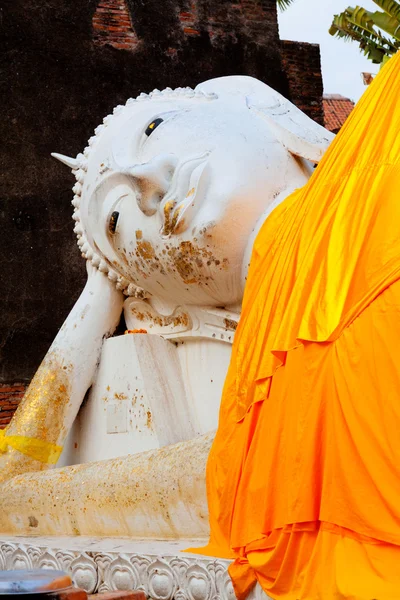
<point x="302" y="64"/>
<point x="256" y="19"/>
<point x="10" y="397"/>
<point x="189" y="19"/>
<point x="112" y="25"/>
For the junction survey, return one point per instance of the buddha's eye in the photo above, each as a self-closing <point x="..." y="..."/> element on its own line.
<point x="153" y="125"/>
<point x="112" y="224"/>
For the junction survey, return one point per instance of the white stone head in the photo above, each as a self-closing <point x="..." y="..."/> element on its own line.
<point x="173" y="185"/>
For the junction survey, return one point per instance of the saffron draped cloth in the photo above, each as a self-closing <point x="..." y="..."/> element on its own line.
<point x="303" y="477"/>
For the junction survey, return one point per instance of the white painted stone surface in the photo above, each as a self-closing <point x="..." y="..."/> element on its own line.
<point x="158" y="494"/>
<point x="149" y="393"/>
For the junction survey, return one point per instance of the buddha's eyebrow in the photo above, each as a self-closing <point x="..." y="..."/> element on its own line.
<point x="167" y="115"/>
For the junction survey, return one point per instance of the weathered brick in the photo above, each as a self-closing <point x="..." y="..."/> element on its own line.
<point x="119" y="595"/>
<point x="6" y="389"/>
<point x="191" y="31"/>
<point x="10" y="397"/>
<point x="6" y="413"/>
<point x="122" y="45"/>
<point x="73" y="594"/>
<point x="112" y="25"/>
<point x="301" y="62"/>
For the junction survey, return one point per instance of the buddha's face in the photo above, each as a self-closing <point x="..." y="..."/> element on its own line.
<point x="175" y="186"/>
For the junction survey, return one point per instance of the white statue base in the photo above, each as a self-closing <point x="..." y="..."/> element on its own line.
<point x="160" y="569"/>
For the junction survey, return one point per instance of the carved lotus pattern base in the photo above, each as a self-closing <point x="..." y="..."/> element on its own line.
<point x="160" y="577"/>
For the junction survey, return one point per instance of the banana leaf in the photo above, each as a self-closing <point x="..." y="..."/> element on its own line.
<point x="391" y="7"/>
<point x="368" y="29"/>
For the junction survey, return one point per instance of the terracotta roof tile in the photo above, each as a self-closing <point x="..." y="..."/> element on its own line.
<point x="336" y="109"/>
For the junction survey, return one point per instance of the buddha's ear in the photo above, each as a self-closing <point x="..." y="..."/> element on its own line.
<point x="298" y="133"/>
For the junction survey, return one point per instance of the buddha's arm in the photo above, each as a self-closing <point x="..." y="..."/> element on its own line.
<point x="34" y="438"/>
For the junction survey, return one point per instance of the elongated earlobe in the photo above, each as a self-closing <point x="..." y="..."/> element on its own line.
<point x="298" y="133"/>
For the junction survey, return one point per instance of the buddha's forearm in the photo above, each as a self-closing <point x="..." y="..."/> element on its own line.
<point x="56" y="392"/>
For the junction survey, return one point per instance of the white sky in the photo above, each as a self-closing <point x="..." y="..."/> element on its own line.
<point x="342" y="62"/>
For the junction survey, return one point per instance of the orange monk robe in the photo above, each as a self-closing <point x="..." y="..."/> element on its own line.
<point x="304" y="474"/>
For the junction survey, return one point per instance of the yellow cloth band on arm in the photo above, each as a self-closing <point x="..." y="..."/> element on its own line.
<point x="40" y="450"/>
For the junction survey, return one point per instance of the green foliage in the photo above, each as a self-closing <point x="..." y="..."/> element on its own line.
<point x="284" y="4"/>
<point x="377" y="33"/>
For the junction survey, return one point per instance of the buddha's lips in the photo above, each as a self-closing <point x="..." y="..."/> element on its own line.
<point x="180" y="200"/>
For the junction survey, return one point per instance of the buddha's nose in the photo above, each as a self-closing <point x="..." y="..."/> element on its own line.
<point x="153" y="180"/>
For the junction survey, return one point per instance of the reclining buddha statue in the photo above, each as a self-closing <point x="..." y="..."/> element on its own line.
<point x="169" y="196"/>
<point x="174" y="193"/>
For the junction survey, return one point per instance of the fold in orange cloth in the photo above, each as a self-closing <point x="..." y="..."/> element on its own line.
<point x="304" y="474"/>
